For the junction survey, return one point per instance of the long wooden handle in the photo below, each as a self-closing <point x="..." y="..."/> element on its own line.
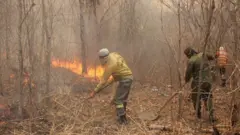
<point x="165" y="104"/>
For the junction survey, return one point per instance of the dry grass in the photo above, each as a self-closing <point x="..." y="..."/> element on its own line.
<point x="72" y="114"/>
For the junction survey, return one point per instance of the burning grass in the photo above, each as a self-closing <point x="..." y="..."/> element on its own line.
<point x="76" y="67"/>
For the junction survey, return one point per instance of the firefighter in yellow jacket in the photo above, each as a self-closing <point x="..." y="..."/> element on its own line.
<point x="115" y="66"/>
<point x="221" y="56"/>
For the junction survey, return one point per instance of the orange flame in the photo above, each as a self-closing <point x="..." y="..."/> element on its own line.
<point x="76" y="67"/>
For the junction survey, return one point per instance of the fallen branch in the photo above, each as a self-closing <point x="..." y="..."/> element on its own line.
<point x="148" y="115"/>
<point x="165" y="104"/>
<point x="235" y="90"/>
<point x="170" y="128"/>
<point x="139" y="125"/>
<point x="160" y="127"/>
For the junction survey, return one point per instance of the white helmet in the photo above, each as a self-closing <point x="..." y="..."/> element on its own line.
<point x="103" y="52"/>
<point x="103" y="55"/>
<point x="221" y="48"/>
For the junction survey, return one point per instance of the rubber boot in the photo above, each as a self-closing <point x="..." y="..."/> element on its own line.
<point x="199" y="115"/>
<point x="125" y="106"/>
<point x="123" y="120"/>
<point x="223" y="79"/>
<point x="215" y="131"/>
<point x="210" y="110"/>
<point x="121" y="116"/>
<point x="223" y="84"/>
<point x="212" y="119"/>
<point x="205" y="105"/>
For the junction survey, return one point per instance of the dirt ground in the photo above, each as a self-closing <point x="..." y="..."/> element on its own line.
<point x="70" y="113"/>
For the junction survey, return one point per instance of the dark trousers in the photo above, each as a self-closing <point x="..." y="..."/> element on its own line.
<point x="222" y="70"/>
<point x="222" y="73"/>
<point x="205" y="95"/>
<point x="121" y="96"/>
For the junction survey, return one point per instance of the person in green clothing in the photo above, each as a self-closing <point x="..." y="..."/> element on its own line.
<point x="202" y="84"/>
<point x="115" y="66"/>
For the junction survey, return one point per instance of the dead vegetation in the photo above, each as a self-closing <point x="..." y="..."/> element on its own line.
<point x="72" y="113"/>
<point x="45" y="97"/>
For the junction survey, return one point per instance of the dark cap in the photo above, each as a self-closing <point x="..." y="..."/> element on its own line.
<point x="189" y="51"/>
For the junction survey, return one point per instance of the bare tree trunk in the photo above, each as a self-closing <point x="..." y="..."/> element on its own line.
<point x="1" y="72"/>
<point x="131" y="21"/>
<point x="179" y="60"/>
<point x="30" y="41"/>
<point x="97" y="25"/>
<point x="82" y="37"/>
<point x="98" y="32"/>
<point x="120" y="29"/>
<point x="133" y="30"/>
<point x="42" y="54"/>
<point x="42" y="49"/>
<point x="206" y="40"/>
<point x="128" y="27"/>
<point x="3" y="12"/>
<point x="7" y="27"/>
<point x="48" y="48"/>
<point x="235" y="96"/>
<point x="20" y="58"/>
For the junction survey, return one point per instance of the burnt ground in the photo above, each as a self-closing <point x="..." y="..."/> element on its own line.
<point x="71" y="113"/>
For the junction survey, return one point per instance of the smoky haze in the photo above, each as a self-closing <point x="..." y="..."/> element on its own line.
<point x="146" y="33"/>
<point x="49" y="57"/>
<point x="130" y="28"/>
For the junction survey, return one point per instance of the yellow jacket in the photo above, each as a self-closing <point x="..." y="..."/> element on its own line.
<point x="116" y="67"/>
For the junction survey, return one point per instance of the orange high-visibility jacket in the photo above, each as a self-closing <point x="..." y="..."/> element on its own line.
<point x="222" y="58"/>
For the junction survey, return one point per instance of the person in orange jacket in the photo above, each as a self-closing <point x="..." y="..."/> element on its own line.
<point x="222" y="60"/>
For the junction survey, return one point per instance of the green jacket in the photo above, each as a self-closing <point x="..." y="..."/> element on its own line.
<point x="193" y="68"/>
<point x="115" y="67"/>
